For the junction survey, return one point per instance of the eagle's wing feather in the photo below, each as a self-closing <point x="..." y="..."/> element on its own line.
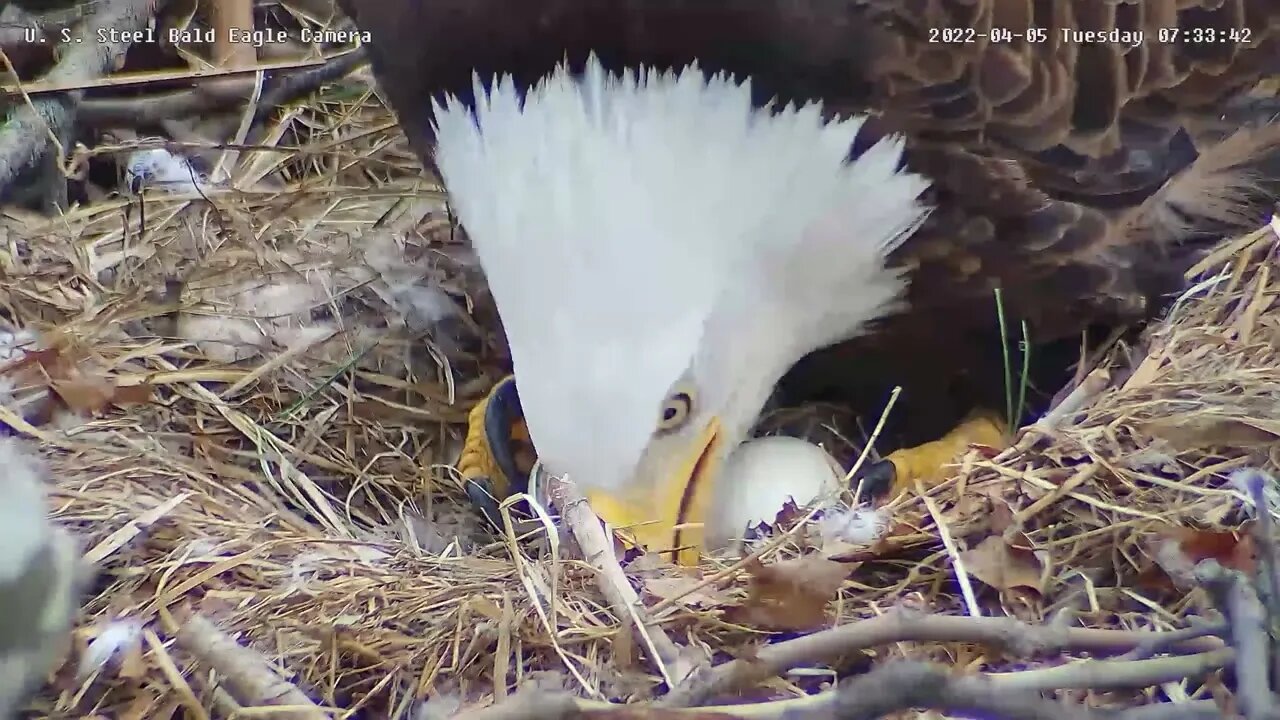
<point x="997" y="76"/>
<point x="1055" y="161"/>
<point x="422" y="49"/>
<point x="1065" y="173"/>
<point x="1098" y="123"/>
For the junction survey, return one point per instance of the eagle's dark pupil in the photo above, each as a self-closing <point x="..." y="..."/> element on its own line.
<point x="669" y="413"/>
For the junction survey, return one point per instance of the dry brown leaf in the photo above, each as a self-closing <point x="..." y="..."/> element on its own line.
<point x="788" y="515"/>
<point x="84" y="395"/>
<point x="1000" y="565"/>
<point x="79" y="390"/>
<point x="650" y="564"/>
<point x="1234" y="550"/>
<point x="968" y="505"/>
<point x="682" y="586"/>
<point x="51" y="360"/>
<point x="1154" y="579"/>
<point x="92" y="395"/>
<point x="139" y="394"/>
<point x="485" y="607"/>
<point x="1186" y="433"/>
<point x="791" y="595"/>
<point x="986" y="452"/>
<point x="1001" y="517"/>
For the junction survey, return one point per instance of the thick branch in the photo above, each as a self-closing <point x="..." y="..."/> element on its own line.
<point x="247" y="675"/>
<point x="904" y="626"/>
<point x="30" y="125"/>
<point x="903" y="685"/>
<point x="1236" y="598"/>
<point x="281" y="87"/>
<point x="882" y="692"/>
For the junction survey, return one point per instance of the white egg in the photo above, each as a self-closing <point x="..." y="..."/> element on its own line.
<point x="758" y="479"/>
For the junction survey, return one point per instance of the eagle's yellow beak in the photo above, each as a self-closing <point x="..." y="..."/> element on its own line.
<point x="666" y="513"/>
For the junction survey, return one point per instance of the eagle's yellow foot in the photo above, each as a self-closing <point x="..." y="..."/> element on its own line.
<point x="930" y="462"/>
<point x="497" y="455"/>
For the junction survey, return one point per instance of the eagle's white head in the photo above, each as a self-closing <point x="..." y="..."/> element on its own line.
<point x="661" y="252"/>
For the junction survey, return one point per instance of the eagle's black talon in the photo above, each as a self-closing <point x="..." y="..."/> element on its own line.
<point x="877" y="479"/>
<point x="502" y="418"/>
<point x="480" y="493"/>
<point x="494" y="461"/>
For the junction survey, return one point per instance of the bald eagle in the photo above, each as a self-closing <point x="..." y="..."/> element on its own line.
<point x="680" y="203"/>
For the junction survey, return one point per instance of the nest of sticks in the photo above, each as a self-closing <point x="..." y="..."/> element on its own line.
<point x="249" y="392"/>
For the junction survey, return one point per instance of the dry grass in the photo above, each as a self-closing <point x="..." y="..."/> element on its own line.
<point x="288" y="479"/>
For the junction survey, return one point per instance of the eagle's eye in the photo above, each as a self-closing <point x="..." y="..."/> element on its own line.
<point x="675" y="411"/>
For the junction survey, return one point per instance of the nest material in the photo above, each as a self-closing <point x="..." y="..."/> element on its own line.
<point x="284" y="479"/>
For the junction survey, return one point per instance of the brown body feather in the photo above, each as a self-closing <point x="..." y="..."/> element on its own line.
<point x="1065" y="173"/>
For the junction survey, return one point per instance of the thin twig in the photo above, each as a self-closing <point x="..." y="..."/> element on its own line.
<point x="1161" y="642"/>
<point x="245" y="673"/>
<point x="953" y="551"/>
<point x="1105" y="675"/>
<point x="597" y="548"/>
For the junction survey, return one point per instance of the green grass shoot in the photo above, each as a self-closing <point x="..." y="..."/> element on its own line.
<point x="1013" y="411"/>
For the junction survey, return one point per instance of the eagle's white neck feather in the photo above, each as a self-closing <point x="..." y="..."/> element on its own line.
<point x="637" y="228"/>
